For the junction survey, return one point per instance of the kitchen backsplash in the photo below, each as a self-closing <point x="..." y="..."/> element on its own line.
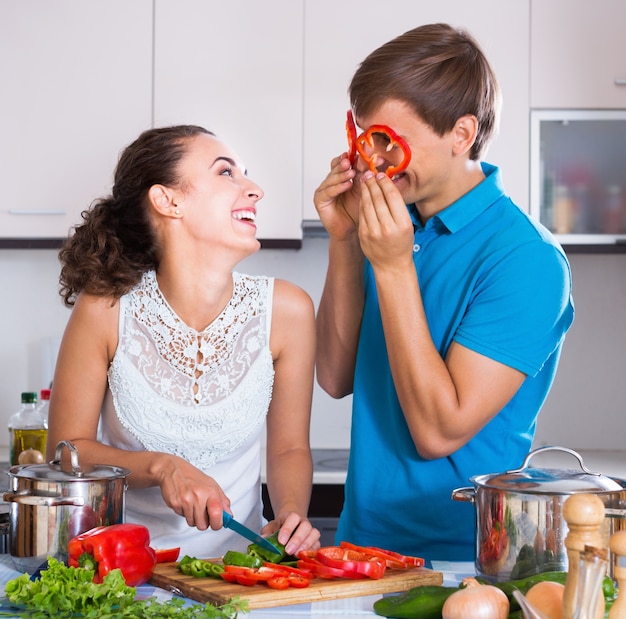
<point x="585" y="409"/>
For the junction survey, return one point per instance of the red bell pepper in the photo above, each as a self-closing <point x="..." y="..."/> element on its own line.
<point x="166" y="555"/>
<point x="393" y="560"/>
<point x="118" y="546"/>
<point x="275" y="576"/>
<point x="364" y="146"/>
<point x="351" y="561"/>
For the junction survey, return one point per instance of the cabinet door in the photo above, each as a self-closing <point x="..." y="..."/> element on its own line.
<point x="76" y="88"/>
<point x="578" y="54"/>
<point x="236" y="68"/>
<point x="334" y="47"/>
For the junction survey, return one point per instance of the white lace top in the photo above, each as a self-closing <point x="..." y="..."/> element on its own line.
<point x="200" y="395"/>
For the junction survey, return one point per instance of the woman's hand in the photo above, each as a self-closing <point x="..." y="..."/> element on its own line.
<point x="337" y="199"/>
<point x="190" y="493"/>
<point x="295" y="532"/>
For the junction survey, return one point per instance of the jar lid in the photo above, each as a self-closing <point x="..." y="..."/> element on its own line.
<point x="530" y="480"/>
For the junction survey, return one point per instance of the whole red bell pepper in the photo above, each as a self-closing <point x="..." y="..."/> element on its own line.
<point x="118" y="546"/>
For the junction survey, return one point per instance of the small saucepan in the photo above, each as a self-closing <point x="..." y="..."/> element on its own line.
<point x="49" y="504"/>
<point x="520" y="529"/>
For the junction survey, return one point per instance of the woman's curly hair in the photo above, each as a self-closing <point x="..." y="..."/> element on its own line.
<point x="108" y="253"/>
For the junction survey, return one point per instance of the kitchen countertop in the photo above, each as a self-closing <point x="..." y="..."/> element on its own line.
<point x="348" y="608"/>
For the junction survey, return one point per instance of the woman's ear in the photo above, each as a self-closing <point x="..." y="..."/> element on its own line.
<point x="464" y="131"/>
<point x="162" y="200"/>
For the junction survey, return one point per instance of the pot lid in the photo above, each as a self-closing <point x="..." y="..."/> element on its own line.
<point x="57" y="470"/>
<point x="63" y="472"/>
<point x="530" y="480"/>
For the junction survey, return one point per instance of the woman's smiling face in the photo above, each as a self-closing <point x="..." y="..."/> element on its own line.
<point x="216" y="196"/>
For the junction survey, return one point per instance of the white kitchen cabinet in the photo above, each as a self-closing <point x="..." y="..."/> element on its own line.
<point x="236" y="68"/>
<point x="335" y="45"/>
<point x="76" y="88"/>
<point x="578" y="54"/>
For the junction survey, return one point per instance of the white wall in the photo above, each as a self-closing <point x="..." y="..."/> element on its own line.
<point x="585" y="410"/>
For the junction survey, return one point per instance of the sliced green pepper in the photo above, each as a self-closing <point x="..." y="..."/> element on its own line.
<point x="232" y="557"/>
<point x="191" y="566"/>
<point x="272" y="557"/>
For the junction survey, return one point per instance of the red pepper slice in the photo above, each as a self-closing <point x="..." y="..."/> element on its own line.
<point x="352" y="561"/>
<point x="351" y="134"/>
<point x="166" y="555"/>
<point x="393" y="560"/>
<point x="366" y="139"/>
<point x="278" y="582"/>
<point x="299" y="582"/>
<point x="307" y="561"/>
<point x="288" y="569"/>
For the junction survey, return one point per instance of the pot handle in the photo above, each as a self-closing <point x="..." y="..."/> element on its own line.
<point x="554" y="448"/>
<point x="58" y="454"/>
<point x="43" y="501"/>
<point x="467" y="494"/>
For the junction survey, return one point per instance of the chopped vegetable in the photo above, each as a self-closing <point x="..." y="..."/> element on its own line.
<point x="198" y="568"/>
<point x="393" y="560"/>
<point x="118" y="546"/>
<point x="66" y="592"/>
<point x="351" y="135"/>
<point x="351" y="561"/>
<point x="258" y="551"/>
<point x="232" y="557"/>
<point x="275" y="576"/>
<point x="167" y="555"/>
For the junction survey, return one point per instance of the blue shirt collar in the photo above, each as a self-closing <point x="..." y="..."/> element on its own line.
<point x="469" y="206"/>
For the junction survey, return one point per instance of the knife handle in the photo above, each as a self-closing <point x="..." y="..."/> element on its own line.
<point x="226" y="518"/>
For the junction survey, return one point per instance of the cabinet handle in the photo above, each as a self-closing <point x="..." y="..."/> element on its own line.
<point x="620" y="81"/>
<point x="35" y="212"/>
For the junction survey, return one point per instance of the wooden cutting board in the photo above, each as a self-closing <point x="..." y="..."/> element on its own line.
<point x="168" y="577"/>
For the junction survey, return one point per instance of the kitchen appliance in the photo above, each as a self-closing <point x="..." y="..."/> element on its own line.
<point x="49" y="504"/>
<point x="577" y="180"/>
<point x="520" y="529"/>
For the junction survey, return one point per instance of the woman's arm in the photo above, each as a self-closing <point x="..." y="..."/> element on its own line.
<point x="289" y="464"/>
<point x="80" y="384"/>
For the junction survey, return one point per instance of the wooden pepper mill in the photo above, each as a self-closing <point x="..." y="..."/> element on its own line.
<point x="584" y="514"/>
<point x="618" y="547"/>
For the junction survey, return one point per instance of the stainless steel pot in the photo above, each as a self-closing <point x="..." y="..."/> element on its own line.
<point x="51" y="503"/>
<point x="519" y="515"/>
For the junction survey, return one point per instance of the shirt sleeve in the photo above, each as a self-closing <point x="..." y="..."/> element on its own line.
<point x="521" y="308"/>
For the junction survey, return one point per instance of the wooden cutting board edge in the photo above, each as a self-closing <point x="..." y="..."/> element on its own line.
<point x="168" y="577"/>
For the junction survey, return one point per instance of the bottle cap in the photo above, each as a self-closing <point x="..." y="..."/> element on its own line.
<point x="29" y="397"/>
<point x="45" y="394"/>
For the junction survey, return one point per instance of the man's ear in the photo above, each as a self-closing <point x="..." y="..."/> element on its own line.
<point x="465" y="131"/>
<point x="162" y="200"/>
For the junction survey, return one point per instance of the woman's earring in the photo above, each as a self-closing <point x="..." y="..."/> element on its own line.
<point x="177" y="211"/>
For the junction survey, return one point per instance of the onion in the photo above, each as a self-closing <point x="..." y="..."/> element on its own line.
<point x="547" y="597"/>
<point x="476" y="601"/>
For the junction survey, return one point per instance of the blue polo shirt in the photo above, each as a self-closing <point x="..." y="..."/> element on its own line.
<point x="495" y="281"/>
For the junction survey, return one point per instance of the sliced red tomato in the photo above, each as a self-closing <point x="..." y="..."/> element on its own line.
<point x="166" y="555"/>
<point x="351" y="561"/>
<point x="393" y="560"/>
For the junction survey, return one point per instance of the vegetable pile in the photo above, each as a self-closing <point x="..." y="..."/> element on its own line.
<point x="65" y="592"/>
<point x="475" y="599"/>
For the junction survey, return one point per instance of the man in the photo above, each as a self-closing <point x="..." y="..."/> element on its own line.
<point x="445" y="306"/>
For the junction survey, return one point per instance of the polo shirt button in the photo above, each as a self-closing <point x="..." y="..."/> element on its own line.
<point x="416" y="247"/>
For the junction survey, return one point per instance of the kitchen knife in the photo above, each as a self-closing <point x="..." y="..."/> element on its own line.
<point x="232" y="524"/>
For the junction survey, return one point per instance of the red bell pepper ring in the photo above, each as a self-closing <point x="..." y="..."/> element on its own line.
<point x="364" y="146"/>
<point x="167" y="555"/>
<point x="393" y="560"/>
<point x="351" y="561"/>
<point x="351" y="135"/>
<point x="119" y="546"/>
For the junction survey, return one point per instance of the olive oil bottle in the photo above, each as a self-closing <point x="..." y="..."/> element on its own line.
<point x="28" y="432"/>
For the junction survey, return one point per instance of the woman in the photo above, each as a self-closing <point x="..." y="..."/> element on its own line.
<point x="171" y="361"/>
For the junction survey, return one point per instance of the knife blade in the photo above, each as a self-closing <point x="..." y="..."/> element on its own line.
<point x="249" y="534"/>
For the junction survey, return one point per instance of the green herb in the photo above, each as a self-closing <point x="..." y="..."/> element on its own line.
<point x="66" y="592"/>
